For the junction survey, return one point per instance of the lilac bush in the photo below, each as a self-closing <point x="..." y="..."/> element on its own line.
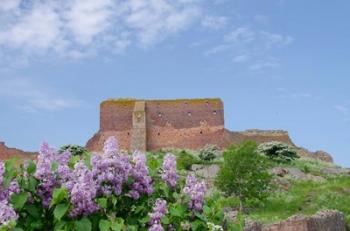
<point x="169" y="174"/>
<point x="59" y="191"/>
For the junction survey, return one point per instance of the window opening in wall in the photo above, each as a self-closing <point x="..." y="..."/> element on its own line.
<point x="158" y="133"/>
<point x="201" y="132"/>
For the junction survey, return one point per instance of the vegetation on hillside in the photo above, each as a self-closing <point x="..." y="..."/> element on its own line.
<point x="72" y="189"/>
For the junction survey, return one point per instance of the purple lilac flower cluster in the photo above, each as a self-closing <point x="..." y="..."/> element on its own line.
<point x="196" y="192"/>
<point x="142" y="181"/>
<point x="13" y="187"/>
<point x="111" y="170"/>
<point x="82" y="191"/>
<point x="47" y="177"/>
<point x="7" y="213"/>
<point x="159" y="210"/>
<point x="169" y="174"/>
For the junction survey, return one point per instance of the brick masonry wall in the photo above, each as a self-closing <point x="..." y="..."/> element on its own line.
<point x="184" y="123"/>
<point x="115" y="120"/>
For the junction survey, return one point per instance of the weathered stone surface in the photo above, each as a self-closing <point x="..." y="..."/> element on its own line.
<point x="336" y="171"/>
<point x="168" y="123"/>
<point x="324" y="156"/>
<point x="259" y="136"/>
<point x="7" y="153"/>
<point x="206" y="171"/>
<point x="318" y="155"/>
<point x="279" y="171"/>
<point x="295" y="173"/>
<point x="299" y="175"/>
<point x="250" y="225"/>
<point x="322" y="221"/>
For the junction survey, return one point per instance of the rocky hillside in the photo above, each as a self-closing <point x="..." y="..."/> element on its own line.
<point x="311" y="194"/>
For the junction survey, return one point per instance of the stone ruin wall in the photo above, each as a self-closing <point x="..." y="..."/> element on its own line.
<point x="160" y="124"/>
<point x="184" y="123"/>
<point x="115" y="120"/>
<point x="259" y="136"/>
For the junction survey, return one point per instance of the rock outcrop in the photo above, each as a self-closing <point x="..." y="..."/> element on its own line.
<point x="7" y="153"/>
<point x="328" y="220"/>
<point x="318" y="155"/>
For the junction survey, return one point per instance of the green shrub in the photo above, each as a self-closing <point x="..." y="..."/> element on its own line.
<point x="185" y="160"/>
<point x="209" y="152"/>
<point x="278" y="151"/>
<point x="75" y="150"/>
<point x="244" y="174"/>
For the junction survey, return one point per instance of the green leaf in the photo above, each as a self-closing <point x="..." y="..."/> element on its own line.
<point x="60" y="210"/>
<point x="165" y="220"/>
<point x="59" y="194"/>
<point x="104" y="225"/>
<point x="31" y="167"/>
<point x="195" y="225"/>
<point x="177" y="211"/>
<point x="83" y="225"/>
<point x="54" y="166"/>
<point x="17" y="229"/>
<point x="206" y="209"/>
<point x="32" y="183"/>
<point x="33" y="210"/>
<point x="118" y="224"/>
<point x="102" y="202"/>
<point x="144" y="220"/>
<point x="60" y="225"/>
<point x="18" y="200"/>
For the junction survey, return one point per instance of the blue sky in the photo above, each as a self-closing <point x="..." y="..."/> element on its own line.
<point x="279" y="64"/>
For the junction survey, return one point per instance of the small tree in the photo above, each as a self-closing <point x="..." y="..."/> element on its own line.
<point x="244" y="174"/>
<point x="278" y="151"/>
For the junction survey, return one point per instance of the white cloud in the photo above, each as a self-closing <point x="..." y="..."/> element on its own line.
<point x="9" y="4"/>
<point x="27" y="96"/>
<point x="88" y="18"/>
<point x="38" y="29"/>
<point x="214" y="22"/>
<point x="154" y="19"/>
<point x="252" y="46"/>
<point x="240" y="35"/>
<point x="80" y="28"/>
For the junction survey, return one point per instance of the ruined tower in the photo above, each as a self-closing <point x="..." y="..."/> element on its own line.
<point x="155" y="124"/>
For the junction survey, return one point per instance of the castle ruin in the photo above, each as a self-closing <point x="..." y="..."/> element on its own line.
<point x="181" y="123"/>
<point x="155" y="124"/>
